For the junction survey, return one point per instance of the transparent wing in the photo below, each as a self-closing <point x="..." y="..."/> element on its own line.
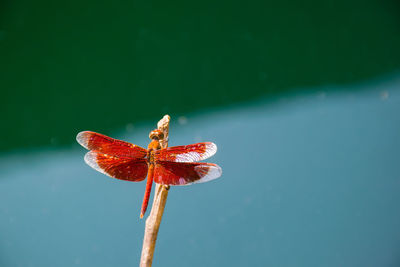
<point x="189" y="153"/>
<point x="127" y="169"/>
<point x="173" y="173"/>
<point x="110" y="146"/>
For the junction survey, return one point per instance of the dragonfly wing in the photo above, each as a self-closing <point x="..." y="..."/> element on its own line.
<point x="110" y="146"/>
<point x="189" y="153"/>
<point x="127" y="169"/>
<point x="173" y="173"/>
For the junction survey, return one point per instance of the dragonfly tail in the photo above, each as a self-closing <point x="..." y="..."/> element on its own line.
<point x="148" y="191"/>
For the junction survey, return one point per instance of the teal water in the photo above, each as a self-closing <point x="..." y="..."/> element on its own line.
<point x="310" y="179"/>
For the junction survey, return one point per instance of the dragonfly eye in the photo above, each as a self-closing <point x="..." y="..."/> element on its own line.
<point x="156" y="134"/>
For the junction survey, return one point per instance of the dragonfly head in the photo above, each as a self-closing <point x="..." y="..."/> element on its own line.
<point x="156" y="135"/>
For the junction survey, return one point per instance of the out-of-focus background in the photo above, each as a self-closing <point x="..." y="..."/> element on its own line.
<point x="302" y="99"/>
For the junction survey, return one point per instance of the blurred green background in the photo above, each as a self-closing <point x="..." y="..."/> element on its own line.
<point x="301" y="97"/>
<point x="84" y="64"/>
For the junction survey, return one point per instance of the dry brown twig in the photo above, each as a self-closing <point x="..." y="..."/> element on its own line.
<point x="153" y="221"/>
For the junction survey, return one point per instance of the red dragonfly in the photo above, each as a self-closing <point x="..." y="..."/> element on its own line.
<point x="169" y="166"/>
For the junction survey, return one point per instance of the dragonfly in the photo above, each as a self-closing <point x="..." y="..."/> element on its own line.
<point x="167" y="166"/>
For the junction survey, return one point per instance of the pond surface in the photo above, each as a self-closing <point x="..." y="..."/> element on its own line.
<point x="310" y="179"/>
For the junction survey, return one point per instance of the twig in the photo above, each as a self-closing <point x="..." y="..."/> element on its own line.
<point x="160" y="198"/>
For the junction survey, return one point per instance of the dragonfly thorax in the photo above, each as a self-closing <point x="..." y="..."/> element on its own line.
<point x="153" y="146"/>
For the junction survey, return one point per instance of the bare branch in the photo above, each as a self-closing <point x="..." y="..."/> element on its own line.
<point x="153" y="221"/>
